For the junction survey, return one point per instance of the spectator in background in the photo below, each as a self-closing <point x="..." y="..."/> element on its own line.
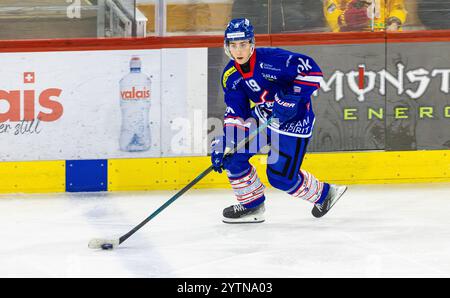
<point x="364" y="15"/>
<point x="285" y="15"/>
<point x="434" y="14"/>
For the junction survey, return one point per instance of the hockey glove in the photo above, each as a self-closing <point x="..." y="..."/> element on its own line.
<point x="217" y="154"/>
<point x="286" y="106"/>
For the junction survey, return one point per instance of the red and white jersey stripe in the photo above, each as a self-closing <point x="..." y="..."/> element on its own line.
<point x="231" y="121"/>
<point x="311" y="79"/>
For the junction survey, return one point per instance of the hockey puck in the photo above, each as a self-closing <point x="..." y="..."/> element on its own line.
<point x="107" y="246"/>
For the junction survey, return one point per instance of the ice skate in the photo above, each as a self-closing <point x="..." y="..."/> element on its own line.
<point x="336" y="191"/>
<point x="239" y="214"/>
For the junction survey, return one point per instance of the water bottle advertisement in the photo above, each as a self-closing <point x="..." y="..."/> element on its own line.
<point x="135" y="102"/>
<point x="102" y="104"/>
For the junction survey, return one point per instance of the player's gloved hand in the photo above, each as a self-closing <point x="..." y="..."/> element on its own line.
<point x="217" y="154"/>
<point x="286" y="106"/>
<point x="355" y="17"/>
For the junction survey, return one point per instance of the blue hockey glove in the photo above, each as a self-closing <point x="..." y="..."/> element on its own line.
<point x="217" y="154"/>
<point x="286" y="106"/>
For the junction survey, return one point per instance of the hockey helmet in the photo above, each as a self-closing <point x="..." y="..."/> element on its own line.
<point x="238" y="29"/>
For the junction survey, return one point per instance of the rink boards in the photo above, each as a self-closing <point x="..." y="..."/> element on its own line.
<point x="175" y="173"/>
<point x="405" y="106"/>
<point x="345" y="168"/>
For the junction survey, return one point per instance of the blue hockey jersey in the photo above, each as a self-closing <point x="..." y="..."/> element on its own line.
<point x="253" y="94"/>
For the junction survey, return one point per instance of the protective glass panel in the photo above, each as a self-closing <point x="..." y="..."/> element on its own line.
<point x="290" y="16"/>
<point x="365" y="15"/>
<point x="37" y="19"/>
<point x="432" y="14"/>
<point x="147" y="11"/>
<point x="257" y="11"/>
<point x="116" y="18"/>
<point x="46" y="19"/>
<point x="212" y="16"/>
<point x="386" y="15"/>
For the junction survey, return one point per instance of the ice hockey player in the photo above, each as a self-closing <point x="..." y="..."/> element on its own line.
<point x="260" y="83"/>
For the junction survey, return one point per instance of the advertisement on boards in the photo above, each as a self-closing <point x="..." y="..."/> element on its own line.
<point x="98" y="104"/>
<point x="373" y="96"/>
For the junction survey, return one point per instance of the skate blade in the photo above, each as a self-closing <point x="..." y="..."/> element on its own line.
<point x="244" y="220"/>
<point x="339" y="193"/>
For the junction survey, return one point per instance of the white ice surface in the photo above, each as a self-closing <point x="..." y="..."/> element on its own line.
<point x="373" y="231"/>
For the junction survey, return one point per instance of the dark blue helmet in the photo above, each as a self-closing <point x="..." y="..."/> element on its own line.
<point x="238" y="29"/>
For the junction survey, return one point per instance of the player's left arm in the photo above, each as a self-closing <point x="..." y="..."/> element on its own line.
<point x="306" y="77"/>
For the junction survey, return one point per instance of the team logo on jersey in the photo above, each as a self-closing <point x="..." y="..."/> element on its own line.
<point x="304" y="65"/>
<point x="227" y="74"/>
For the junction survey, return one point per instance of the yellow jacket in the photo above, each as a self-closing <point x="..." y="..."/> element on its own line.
<point x="386" y="12"/>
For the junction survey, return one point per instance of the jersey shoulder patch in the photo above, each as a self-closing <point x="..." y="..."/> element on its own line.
<point x="227" y="73"/>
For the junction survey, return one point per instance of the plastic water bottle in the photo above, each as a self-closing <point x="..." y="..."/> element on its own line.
<point x="135" y="105"/>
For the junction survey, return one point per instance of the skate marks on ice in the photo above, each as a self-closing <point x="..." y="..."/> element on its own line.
<point x="47" y="236"/>
<point x="372" y="231"/>
<point x="117" y="213"/>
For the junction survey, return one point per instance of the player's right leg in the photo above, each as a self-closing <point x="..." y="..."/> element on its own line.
<point x="248" y="189"/>
<point x="244" y="180"/>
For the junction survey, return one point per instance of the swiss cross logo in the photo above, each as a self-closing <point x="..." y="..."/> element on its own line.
<point x="28" y="77"/>
<point x="25" y="103"/>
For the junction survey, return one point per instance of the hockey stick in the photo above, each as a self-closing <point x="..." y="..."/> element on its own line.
<point x="113" y="243"/>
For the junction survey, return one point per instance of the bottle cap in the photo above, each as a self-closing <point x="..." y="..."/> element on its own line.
<point x="135" y="62"/>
